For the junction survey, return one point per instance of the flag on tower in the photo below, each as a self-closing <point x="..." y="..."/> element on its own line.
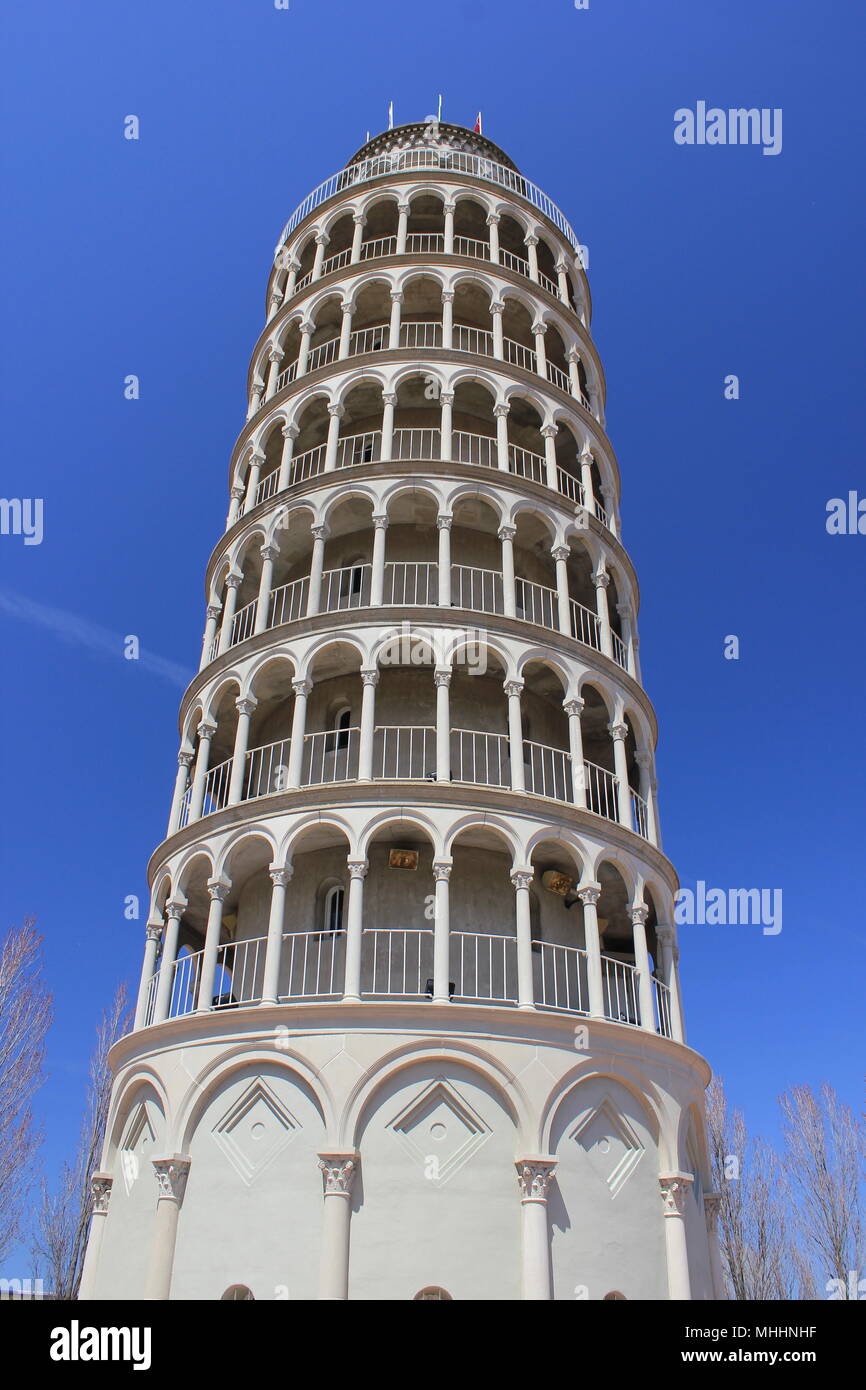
<point x="439" y="112"/>
<point x="390" y="115"/>
<point x="478" y="130"/>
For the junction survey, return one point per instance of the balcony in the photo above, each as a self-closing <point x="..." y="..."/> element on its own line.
<point x="397" y="964"/>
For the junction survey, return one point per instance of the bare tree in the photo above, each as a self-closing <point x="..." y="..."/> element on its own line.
<point x="61" y="1224"/>
<point x="758" y="1257"/>
<point x="824" y="1148"/>
<point x="25" y="1017"/>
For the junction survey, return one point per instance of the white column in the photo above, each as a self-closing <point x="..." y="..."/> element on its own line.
<point x="218" y="889"/>
<point x="493" y="220"/>
<point x="668" y="972"/>
<point x="625" y="613"/>
<point x="274" y="302"/>
<point x="515" y="735"/>
<point x="560" y="555"/>
<point x="291" y="279"/>
<point x="338" y="1173"/>
<point x="377" y="577"/>
<point x="280" y="877"/>
<point x="448" y="319"/>
<point x="354" y="929"/>
<point x="369" y="681"/>
<point x="307" y="331"/>
<point x="233" y="583"/>
<point x="171" y="1175"/>
<point x="619" y="734"/>
<point x="443" y="525"/>
<point x="205" y="733"/>
<point x="256" y="399"/>
<point x="446" y="401"/>
<point x="549" y="434"/>
<point x="501" y="413"/>
<point x="245" y="708"/>
<point x="506" y="535"/>
<point x="573" y="372"/>
<point x="610" y="507"/>
<point x="538" y="331"/>
<point x="336" y="413"/>
<point x="449" y="209"/>
<point x="389" y="400"/>
<point x="675" y="1189"/>
<point x="345" y="329"/>
<point x="290" y="434"/>
<point x="275" y="357"/>
<point x="237" y="496"/>
<point x="394" y="329"/>
<point x="210" y="631"/>
<point x="302" y="689"/>
<point x="184" y="763"/>
<point x="595" y="402"/>
<point x="531" y="244"/>
<point x="100" y="1186"/>
<point x="269" y="554"/>
<point x="174" y="911"/>
<point x="317" y="565"/>
<point x="497" y="309"/>
<point x="402" y="228"/>
<point x="712" y="1205"/>
<point x="601" y="579"/>
<point x="647" y="791"/>
<point x="574" y="709"/>
<point x="442" y="681"/>
<point x="639" y="915"/>
<point x="360" y="222"/>
<point x="152" y="937"/>
<point x="441" y="934"/>
<point x="322" y="240"/>
<point x="521" y="878"/>
<point x="589" y="895"/>
<point x="586" y="480"/>
<point x="562" y="277"/>
<point x="534" y="1176"/>
<point x="256" y="460"/>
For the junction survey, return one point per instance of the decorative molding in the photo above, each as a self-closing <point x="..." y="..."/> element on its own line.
<point x="338" y="1173"/>
<point x="171" y="1176"/>
<point x="534" y="1176"/>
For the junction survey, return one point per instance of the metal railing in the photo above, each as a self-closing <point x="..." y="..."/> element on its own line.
<point x="421" y="333"/>
<point x="411" y="583"/>
<point x="267" y="769"/>
<point x="465" y="338"/>
<point x="519" y="356"/>
<point x="356" y="449"/>
<point x="526" y="464"/>
<point x="662" y="997"/>
<point x="559" y="377"/>
<point x="601" y="791"/>
<point x="477" y="589"/>
<point x="620" y="987"/>
<point x="311" y="965"/>
<point x="484" y="967"/>
<point x="243" y="623"/>
<point x="480" y="758"/>
<point x="404" y="751"/>
<point x="537" y="604"/>
<point x="547" y="771"/>
<point x="289" y="602"/>
<point x="344" y="588"/>
<point x="473" y="448"/>
<point x="239" y="973"/>
<point x="639" y="815"/>
<point x="472" y="247"/>
<point x="331" y="756"/>
<point x="585" y="625"/>
<point x="560" y="979"/>
<point x="396" y="963"/>
<point x="416" y="445"/>
<point x="426" y="243"/>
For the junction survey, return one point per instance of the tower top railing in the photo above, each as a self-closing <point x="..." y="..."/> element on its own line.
<point x="442" y="158"/>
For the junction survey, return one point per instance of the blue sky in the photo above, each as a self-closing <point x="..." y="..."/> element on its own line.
<point x="151" y="258"/>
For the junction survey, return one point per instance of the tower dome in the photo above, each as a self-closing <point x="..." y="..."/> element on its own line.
<point x="409" y="1023"/>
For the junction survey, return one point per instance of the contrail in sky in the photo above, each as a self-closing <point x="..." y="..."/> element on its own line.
<point x="80" y="633"/>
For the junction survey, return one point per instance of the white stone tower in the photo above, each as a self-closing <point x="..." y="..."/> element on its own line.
<point x="409" y="1023"/>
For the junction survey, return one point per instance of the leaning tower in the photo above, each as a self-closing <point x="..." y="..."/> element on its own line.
<point x="409" y="1023"/>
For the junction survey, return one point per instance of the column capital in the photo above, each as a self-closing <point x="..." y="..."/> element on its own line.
<point x="534" y="1176"/>
<point x="574" y="707"/>
<point x="175" y="907"/>
<point x="639" y="915"/>
<point x="618" y="732"/>
<point x="521" y="878"/>
<point x="100" y="1187"/>
<point x="348" y="306"/>
<point x="589" y="894"/>
<point x="586" y="455"/>
<point x="396" y="296"/>
<point x="512" y="688"/>
<point x="531" y="240"/>
<point x="218" y="889"/>
<point x="206" y="729"/>
<point x="370" y="677"/>
<point x="506" y="533"/>
<point x="322" y="238"/>
<point x="275" y="354"/>
<point x="302" y="686"/>
<point x="449" y="207"/>
<point x="153" y="931"/>
<point x="493" y="219"/>
<point x="497" y="306"/>
<point x="573" y="355"/>
<point x="171" y="1176"/>
<point x="549" y="432"/>
<point x="444" y="522"/>
<point x="290" y="431"/>
<point x="270" y="552"/>
<point x="675" y="1187"/>
<point x="359" y="219"/>
<point x="338" y="1173"/>
<point x="246" y="704"/>
<point x="441" y="678"/>
<point x="337" y="411"/>
<point x="712" y="1207"/>
<point x="237" y="492"/>
<point x="357" y="868"/>
<point x="446" y="397"/>
<point x="560" y="552"/>
<point x="442" y="870"/>
<point x="404" y="208"/>
<point x="308" y="328"/>
<point x="447" y="298"/>
<point x="280" y="874"/>
<point x="538" y="327"/>
<point x="234" y="581"/>
<point x="319" y="532"/>
<point x="380" y="522"/>
<point x="257" y="456"/>
<point x="601" y="579"/>
<point x="184" y="758"/>
<point x="389" y="397"/>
